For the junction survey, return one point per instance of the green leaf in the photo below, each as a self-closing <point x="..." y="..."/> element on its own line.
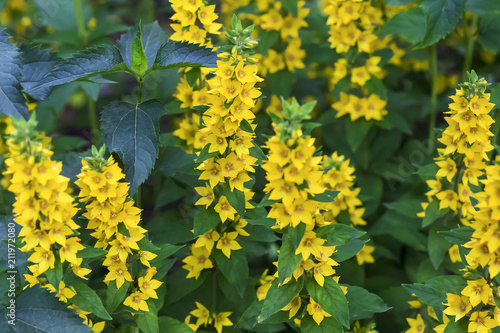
<point x="437" y="246"/>
<point x="296" y="234"/>
<point x="482" y="7"/>
<point x="288" y="261"/>
<point x="428" y="171"/>
<point x="12" y="101"/>
<point x="234" y="269"/>
<point x="489" y="32"/>
<point x="131" y="130"/>
<point x="363" y="304"/>
<point x="258" y="216"/>
<point x="356" y="132"/>
<point x="236" y="199"/>
<point x="376" y="86"/>
<point x="84" y="64"/>
<point x="174" y="326"/>
<point x="148" y="322"/>
<point x="91" y="252"/>
<point x="433" y="292"/>
<point x="60" y="15"/>
<point x="54" y="275"/>
<point x="147" y="40"/>
<point x="349" y="250"/>
<point x="205" y="155"/>
<point x="457" y="326"/>
<point x="338" y="234"/>
<point x="331" y="298"/>
<point x="192" y="77"/>
<point x="139" y="60"/>
<point x="178" y="286"/>
<point x="182" y="54"/>
<point x="291" y="6"/>
<point x="405" y="206"/>
<point x="279" y="297"/>
<point x="328" y="325"/>
<point x="432" y="213"/>
<point x="406" y="24"/>
<point x="172" y="159"/>
<point x="442" y="16"/>
<point x="281" y="83"/>
<point x="114" y="296"/>
<point x="327" y="196"/>
<point x="37" y="63"/>
<point x="146" y="245"/>
<point x="205" y="220"/>
<point x="267" y="39"/>
<point x="458" y="236"/>
<point x="87" y="300"/>
<point x="39" y="311"/>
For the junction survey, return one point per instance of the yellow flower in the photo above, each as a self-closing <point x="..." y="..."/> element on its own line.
<point x="221" y="319"/>
<point x="228" y="242"/>
<point x="197" y="261"/>
<point x="137" y="301"/>
<point x="147" y="285"/>
<point x="118" y="273"/>
<point x="293" y="306"/>
<point x="458" y="306"/>
<point x="481" y="322"/>
<point x="364" y="255"/>
<point x="416" y="325"/>
<point x="207" y="195"/>
<point x="309" y="244"/>
<point x="316" y="311"/>
<point x="224" y="209"/>
<point x="207" y="240"/>
<point x="202" y="314"/>
<point x="45" y="259"/>
<point x="360" y="75"/>
<point x="478" y="291"/>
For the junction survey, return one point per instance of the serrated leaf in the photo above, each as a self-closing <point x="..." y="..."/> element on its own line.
<point x="131" y="130"/>
<point x="234" y="269"/>
<point x="277" y="298"/>
<point x="12" y="101"/>
<point x="406" y="24"/>
<point x="481" y="7"/>
<point x="114" y="296"/>
<point x="331" y="298"/>
<point x="84" y="64"/>
<point x="152" y="38"/>
<point x="363" y="304"/>
<point x="87" y="300"/>
<point x="442" y="16"/>
<point x="37" y="63"/>
<point x="205" y="220"/>
<point x="288" y="261"/>
<point x="182" y="54"/>
<point x="39" y="311"/>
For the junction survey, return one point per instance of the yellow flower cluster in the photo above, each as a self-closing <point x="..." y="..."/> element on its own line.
<point x="111" y="213"/>
<point x="189" y="16"/>
<point x="466" y="141"/>
<point x="204" y="318"/>
<point x="231" y="97"/>
<point x="272" y="17"/>
<point x="293" y="173"/>
<point x="352" y="24"/>
<point x="43" y="207"/>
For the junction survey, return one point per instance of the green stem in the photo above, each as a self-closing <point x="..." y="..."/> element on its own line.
<point x="434" y="95"/>
<point x="468" y="44"/>
<point x="149" y="6"/>
<point x="94" y="124"/>
<point x="139" y="97"/>
<point x="137" y="198"/>
<point x="213" y="292"/>
<point x="82" y="34"/>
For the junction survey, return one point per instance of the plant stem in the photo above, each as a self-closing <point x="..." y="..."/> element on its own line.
<point x="213" y="292"/>
<point x="468" y="44"/>
<point x="434" y="94"/>
<point x="139" y="97"/>
<point x="149" y="6"/>
<point x="94" y="124"/>
<point x="137" y="198"/>
<point x="82" y="34"/>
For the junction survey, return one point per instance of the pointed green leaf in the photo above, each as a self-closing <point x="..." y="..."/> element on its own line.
<point x="432" y="213"/>
<point x="363" y="304"/>
<point x="182" y="54"/>
<point x="174" y="326"/>
<point x="234" y="269"/>
<point x="37" y="63"/>
<point x="288" y="261"/>
<point x="331" y="298"/>
<point x="87" y="300"/>
<point x="279" y="297"/>
<point x="152" y="38"/>
<point x="131" y="130"/>
<point x="442" y="16"/>
<point x="236" y="199"/>
<point x="148" y="322"/>
<point x="12" y="101"/>
<point x="139" y="60"/>
<point x="114" y="296"/>
<point x="205" y="220"/>
<point x="39" y="311"/>
<point x="458" y="236"/>
<point x="328" y="325"/>
<point x="84" y="64"/>
<point x="489" y="32"/>
<point x="406" y="24"/>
